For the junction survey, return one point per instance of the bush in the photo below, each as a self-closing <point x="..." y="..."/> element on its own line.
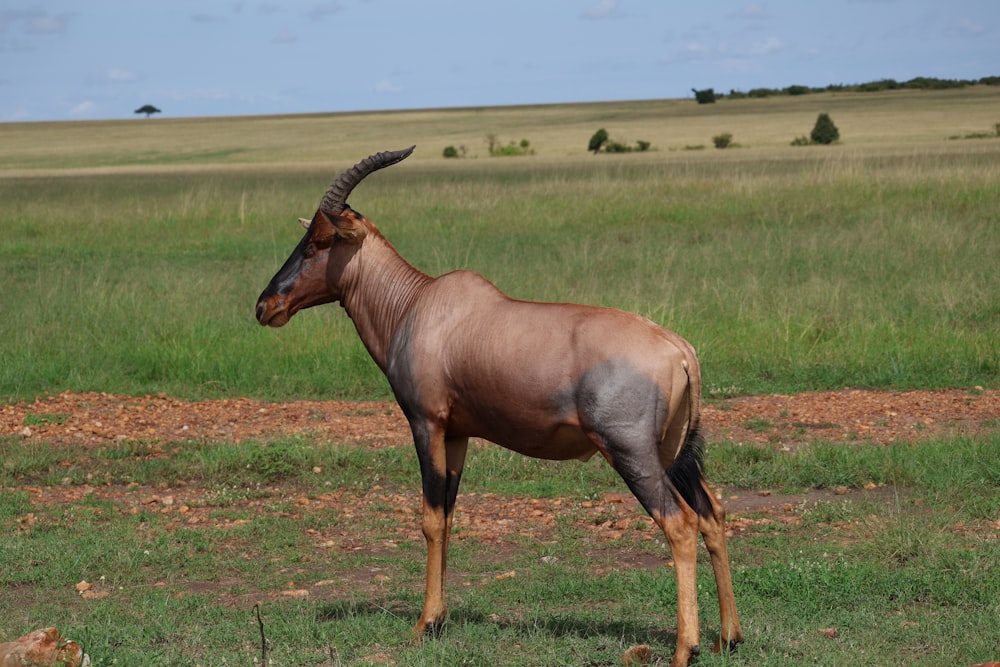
<point x="511" y="149"/>
<point x="597" y="141"/>
<point x="722" y="140"/>
<point x="450" y="151"/>
<point x="706" y="96"/>
<point x="802" y="141"/>
<point x="601" y="142"/>
<point x="824" y="132"/>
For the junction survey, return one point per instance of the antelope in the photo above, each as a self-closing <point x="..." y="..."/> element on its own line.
<point x="549" y="380"/>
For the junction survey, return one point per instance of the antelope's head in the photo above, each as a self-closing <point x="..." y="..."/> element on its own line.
<point x="311" y="274"/>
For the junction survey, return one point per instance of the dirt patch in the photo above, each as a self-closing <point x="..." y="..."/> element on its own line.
<point x="878" y="417"/>
<point x="99" y="419"/>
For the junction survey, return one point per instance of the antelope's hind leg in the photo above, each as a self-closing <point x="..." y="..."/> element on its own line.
<point x="686" y="474"/>
<point x="713" y="530"/>
<point x="653" y="488"/>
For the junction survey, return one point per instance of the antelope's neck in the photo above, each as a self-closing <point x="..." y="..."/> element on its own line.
<point x="382" y="288"/>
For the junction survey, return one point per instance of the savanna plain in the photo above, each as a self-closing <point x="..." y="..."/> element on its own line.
<point x="132" y="253"/>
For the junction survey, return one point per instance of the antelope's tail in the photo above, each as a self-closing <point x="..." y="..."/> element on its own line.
<point x="687" y="472"/>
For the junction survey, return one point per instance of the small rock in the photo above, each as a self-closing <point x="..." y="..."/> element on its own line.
<point x="637" y="655"/>
<point x="42" y="648"/>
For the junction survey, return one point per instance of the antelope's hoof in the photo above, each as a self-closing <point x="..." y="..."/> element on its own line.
<point x="729" y="644"/>
<point x="423" y="631"/>
<point x="682" y="660"/>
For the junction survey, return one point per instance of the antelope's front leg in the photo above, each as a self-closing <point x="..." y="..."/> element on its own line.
<point x="441" y="470"/>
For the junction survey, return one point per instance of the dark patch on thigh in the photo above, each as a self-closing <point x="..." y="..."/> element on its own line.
<point x="627" y="410"/>
<point x="615" y="398"/>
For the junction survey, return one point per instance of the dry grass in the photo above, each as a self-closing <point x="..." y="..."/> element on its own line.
<point x="557" y="132"/>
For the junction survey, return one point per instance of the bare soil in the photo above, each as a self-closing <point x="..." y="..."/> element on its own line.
<point x="874" y="418"/>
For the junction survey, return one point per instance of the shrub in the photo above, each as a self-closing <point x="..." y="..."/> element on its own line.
<point x="706" y="96"/>
<point x="801" y="141"/>
<point x="597" y="141"/>
<point x="511" y="149"/>
<point x="722" y="140"/>
<point x="450" y="151"/>
<point x="601" y="142"/>
<point x="824" y="132"/>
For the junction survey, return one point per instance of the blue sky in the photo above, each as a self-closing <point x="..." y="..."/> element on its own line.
<point x="75" y="59"/>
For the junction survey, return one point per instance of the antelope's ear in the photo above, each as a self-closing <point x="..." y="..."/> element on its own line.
<point x="347" y="224"/>
<point x="305" y="222"/>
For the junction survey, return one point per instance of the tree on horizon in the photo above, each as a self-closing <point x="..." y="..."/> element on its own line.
<point x="147" y="109"/>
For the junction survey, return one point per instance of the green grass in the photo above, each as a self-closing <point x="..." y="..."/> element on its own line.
<point x="132" y="254"/>
<point x="865" y="264"/>
<point x="903" y="576"/>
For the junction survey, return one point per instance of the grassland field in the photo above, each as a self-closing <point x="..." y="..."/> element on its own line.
<point x="132" y="253"/>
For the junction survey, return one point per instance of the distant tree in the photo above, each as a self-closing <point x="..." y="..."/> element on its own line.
<point x="597" y="141"/>
<point x="824" y="132"/>
<point x="706" y="96"/>
<point x="147" y="109"/>
<point x="723" y="140"/>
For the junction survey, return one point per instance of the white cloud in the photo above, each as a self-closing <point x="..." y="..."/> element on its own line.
<point x="119" y="75"/>
<point x="206" y="18"/>
<point x="324" y="10"/>
<point x="755" y="11"/>
<point x="967" y="27"/>
<point x="604" y="9"/>
<point x="701" y="50"/>
<point x="83" y="108"/>
<point x="47" y="25"/>
<point x="35" y="21"/>
<point x="386" y="86"/>
<point x="767" y="47"/>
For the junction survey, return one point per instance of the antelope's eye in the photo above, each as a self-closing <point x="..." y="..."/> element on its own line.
<point x="309" y="251"/>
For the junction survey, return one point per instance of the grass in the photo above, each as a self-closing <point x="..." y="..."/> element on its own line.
<point x="867" y="264"/>
<point x="900" y="577"/>
<point x="132" y="254"/>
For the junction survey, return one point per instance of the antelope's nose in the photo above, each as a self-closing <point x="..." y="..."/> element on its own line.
<point x="260" y="312"/>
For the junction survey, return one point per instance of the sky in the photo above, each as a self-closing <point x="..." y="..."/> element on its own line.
<point x="97" y="59"/>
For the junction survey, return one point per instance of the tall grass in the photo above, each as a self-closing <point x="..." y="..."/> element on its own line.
<point x="789" y="269"/>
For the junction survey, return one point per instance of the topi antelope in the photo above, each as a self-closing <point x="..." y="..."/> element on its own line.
<point x="553" y="381"/>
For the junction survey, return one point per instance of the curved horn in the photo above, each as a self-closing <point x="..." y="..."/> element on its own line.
<point x="335" y="199"/>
